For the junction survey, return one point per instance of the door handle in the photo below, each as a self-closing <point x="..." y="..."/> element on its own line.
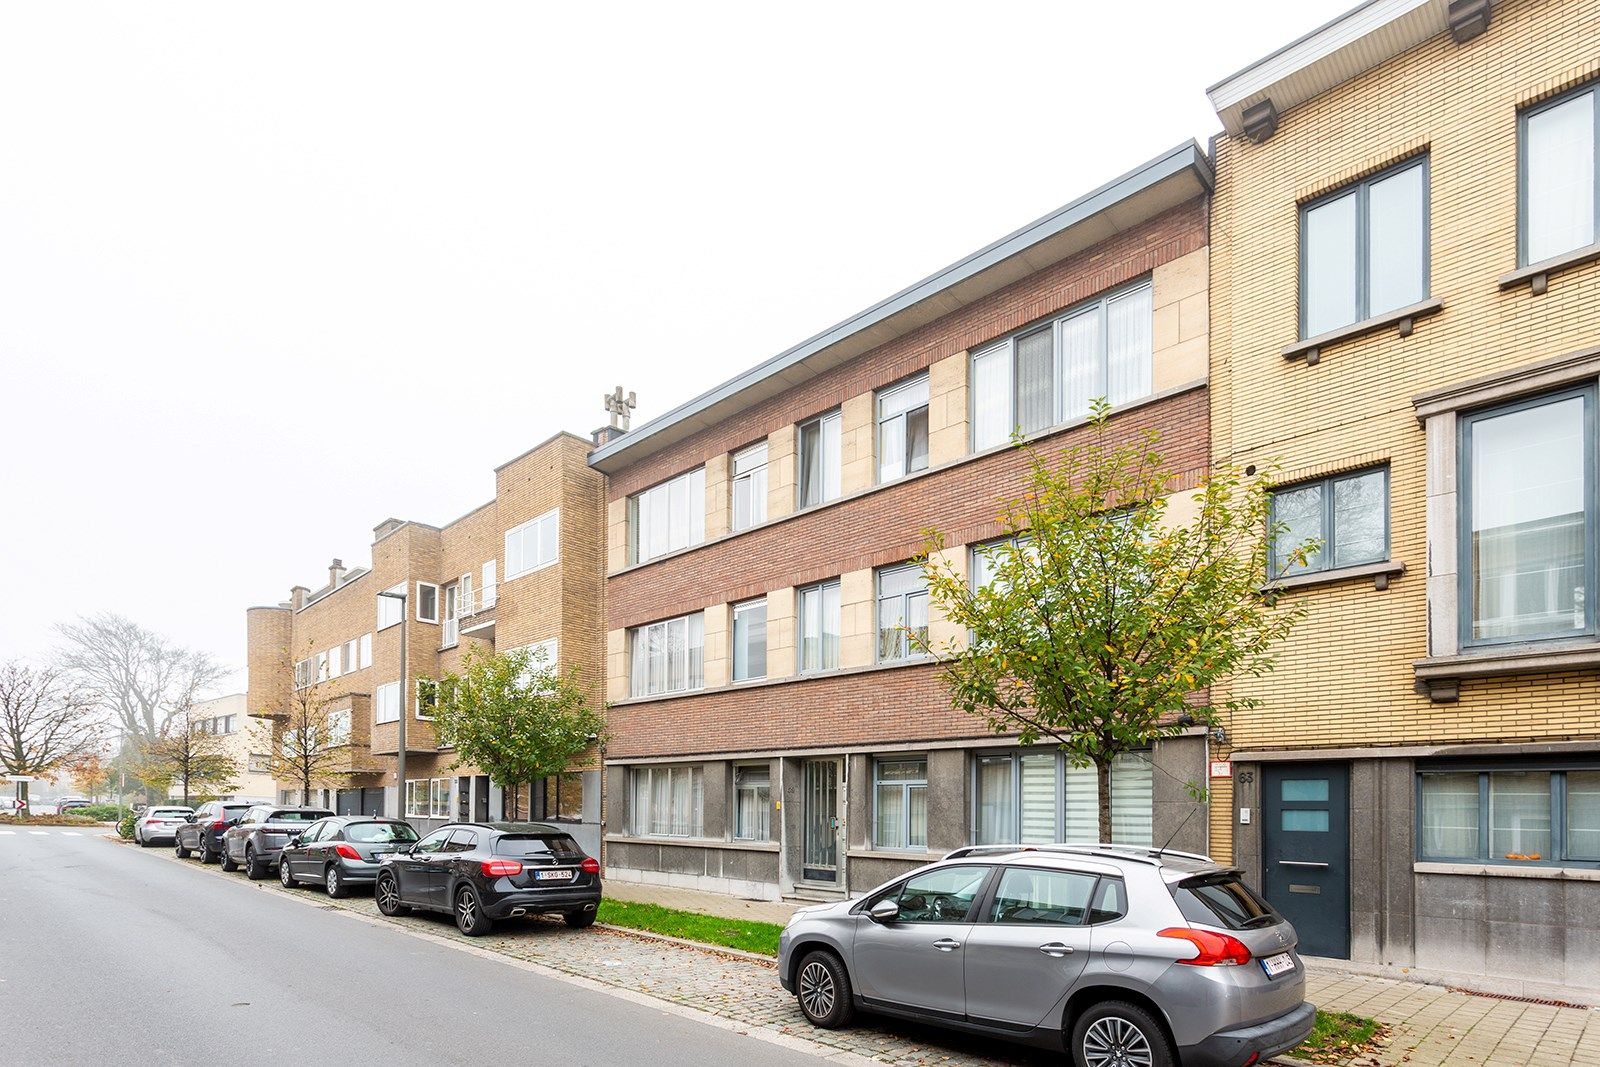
<point x="1056" y="949"/>
<point x="946" y="944"/>
<point x="1302" y="863"/>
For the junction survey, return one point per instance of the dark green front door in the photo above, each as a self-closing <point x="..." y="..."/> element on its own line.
<point x="1305" y="852"/>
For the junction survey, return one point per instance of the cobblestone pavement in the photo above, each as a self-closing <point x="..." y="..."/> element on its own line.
<point x="1431" y="1026"/>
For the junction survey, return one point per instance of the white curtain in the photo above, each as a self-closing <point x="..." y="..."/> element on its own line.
<point x="1080" y="363"/>
<point x="1560" y="178"/>
<point x="991" y="397"/>
<point x="1128" y="324"/>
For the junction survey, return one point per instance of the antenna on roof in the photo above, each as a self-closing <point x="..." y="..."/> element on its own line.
<point x="1192" y="809"/>
<point x="620" y="409"/>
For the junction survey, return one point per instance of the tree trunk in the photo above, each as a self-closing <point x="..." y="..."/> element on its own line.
<point x="1102" y="775"/>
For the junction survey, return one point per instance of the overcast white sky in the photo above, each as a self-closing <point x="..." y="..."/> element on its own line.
<point x="270" y="274"/>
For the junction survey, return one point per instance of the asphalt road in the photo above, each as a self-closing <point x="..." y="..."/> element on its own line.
<point x="108" y="955"/>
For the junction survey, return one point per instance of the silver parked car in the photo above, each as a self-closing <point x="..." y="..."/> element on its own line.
<point x="1127" y="957"/>
<point x="159" y="822"/>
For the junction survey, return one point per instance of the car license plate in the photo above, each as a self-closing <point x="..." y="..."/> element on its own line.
<point x="552" y="876"/>
<point x="1282" y="963"/>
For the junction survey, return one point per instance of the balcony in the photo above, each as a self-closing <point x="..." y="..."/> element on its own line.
<point x="476" y="613"/>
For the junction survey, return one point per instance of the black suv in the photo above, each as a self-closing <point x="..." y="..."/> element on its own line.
<point x="483" y="871"/>
<point x="202" y="831"/>
<point x="256" y="837"/>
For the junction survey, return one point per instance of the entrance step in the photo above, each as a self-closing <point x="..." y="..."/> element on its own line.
<point x="814" y="895"/>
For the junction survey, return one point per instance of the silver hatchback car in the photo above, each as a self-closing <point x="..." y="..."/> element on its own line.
<point x="1127" y="957"/>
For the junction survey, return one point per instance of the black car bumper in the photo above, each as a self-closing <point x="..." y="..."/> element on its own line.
<point x="539" y="901"/>
<point x="1232" y="1048"/>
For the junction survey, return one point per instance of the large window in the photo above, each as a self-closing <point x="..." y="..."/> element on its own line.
<point x="820" y="620"/>
<point x="667" y="801"/>
<point x="427" y="604"/>
<point x="900" y="803"/>
<point x="338" y="728"/>
<point x="1038" y="798"/>
<point x="903" y="429"/>
<point x="1049" y="374"/>
<point x="902" y="613"/>
<point x="752" y="803"/>
<point x="1517" y="815"/>
<point x="428" y="798"/>
<point x="750" y="486"/>
<point x="750" y="640"/>
<point x="1528" y="536"/>
<point x="386" y="703"/>
<point x="820" y="460"/>
<point x="1348" y="515"/>
<point x="1364" y="249"/>
<point x="391" y="609"/>
<point x="533" y="545"/>
<point x="1560" y="194"/>
<point x="669" y="657"/>
<point x="561" y="797"/>
<point x="669" y="516"/>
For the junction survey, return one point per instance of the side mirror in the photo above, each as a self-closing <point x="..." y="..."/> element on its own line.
<point x="884" y="911"/>
<point x="294" y="838"/>
<point x="190" y="818"/>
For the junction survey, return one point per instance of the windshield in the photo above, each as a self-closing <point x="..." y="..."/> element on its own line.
<point x="298" y="816"/>
<point x="559" y="846"/>
<point x="379" y="833"/>
<point x="169" y="812"/>
<point x="1222" y="899"/>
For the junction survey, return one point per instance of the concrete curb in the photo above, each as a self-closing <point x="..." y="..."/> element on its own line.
<point x="720" y="950"/>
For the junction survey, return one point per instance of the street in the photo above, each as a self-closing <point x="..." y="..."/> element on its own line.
<point x="109" y="953"/>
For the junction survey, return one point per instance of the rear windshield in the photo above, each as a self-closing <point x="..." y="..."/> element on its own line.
<point x="379" y="833"/>
<point x="1222" y="900"/>
<point x="560" y="846"/>
<point x="298" y="816"/>
<point x="169" y="811"/>
<point x="231" y="810"/>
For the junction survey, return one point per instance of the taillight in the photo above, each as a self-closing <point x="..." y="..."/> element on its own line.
<point x="151" y="822"/>
<point x="1216" y="950"/>
<point x="590" y="865"/>
<point x="219" y="824"/>
<point x="347" y="851"/>
<point x="498" y="868"/>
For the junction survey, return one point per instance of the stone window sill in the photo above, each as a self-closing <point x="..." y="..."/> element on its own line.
<point x="914" y="855"/>
<point x="1497" y="870"/>
<point x="1537" y="275"/>
<point x="693" y="842"/>
<point x="1440" y="676"/>
<point x="1380" y="573"/>
<point x="1404" y="318"/>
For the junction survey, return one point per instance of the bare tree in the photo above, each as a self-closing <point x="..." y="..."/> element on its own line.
<point x="138" y="677"/>
<point x="190" y="756"/>
<point x="308" y="743"/>
<point x="46" y="723"/>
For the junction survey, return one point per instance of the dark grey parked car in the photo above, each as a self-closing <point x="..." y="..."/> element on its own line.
<point x="260" y="834"/>
<point x="202" y="831"/>
<point x="343" y="851"/>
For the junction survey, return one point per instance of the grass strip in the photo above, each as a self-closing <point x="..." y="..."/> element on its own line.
<point x="1337" y="1036"/>
<point x="748" y="935"/>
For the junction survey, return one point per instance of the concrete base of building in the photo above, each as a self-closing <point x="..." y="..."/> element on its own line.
<point x="700" y="883"/>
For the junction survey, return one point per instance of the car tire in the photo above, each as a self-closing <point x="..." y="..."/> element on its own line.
<point x="139" y="838"/>
<point x="1116" y="1024"/>
<point x="387" y="893"/>
<point x="254" y="869"/>
<point x="285" y="876"/>
<point x="206" y="855"/>
<point x="333" y="882"/>
<point x="470" y="918"/>
<point x="228" y="862"/>
<point x="579" y="919"/>
<point x="822" y="987"/>
<point x="178" y="849"/>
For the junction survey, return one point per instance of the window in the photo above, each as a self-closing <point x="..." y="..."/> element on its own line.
<point x="667" y="801"/>
<point x="259" y="763"/>
<point x="390" y="608"/>
<point x="427" y="602"/>
<point x="386" y="703"/>
<point x="462" y="841"/>
<point x="490" y="584"/>
<point x="335" y="661"/>
<point x="1348" y="514"/>
<point x="427" y="697"/>
<point x="903" y="429"/>
<point x="436" y="841"/>
<point x="1510" y="815"/>
<point x="450" y="633"/>
<point x="1528" y="530"/>
<point x="1560" y="196"/>
<point x="226" y="724"/>
<point x="1364" y="249"/>
<point x="1048" y="374"/>
<point x="820" y="623"/>
<point x="750" y="486"/>
<point x="321" y="659"/>
<point x="944" y="895"/>
<point x="1046" y="898"/>
<point x="752" y="803"/>
<point x="820" y="460"/>
<point x="1039" y="798"/>
<point x="533" y="545"/>
<point x="338" y="728"/>
<point x="428" y="798"/>
<point x="561" y="796"/>
<point x="352" y="654"/>
<point x="366" y="650"/>
<point x="750" y="640"/>
<point x="902" y="613"/>
<point x="668" y="517"/>
<point x="305" y="673"/>
<point x="900" y="803"/>
<point x="669" y="657"/>
<point x="1221" y="899"/>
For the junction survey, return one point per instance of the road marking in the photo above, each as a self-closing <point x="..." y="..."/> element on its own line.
<point x="70" y="833"/>
<point x="9" y="833"/>
<point x="37" y="833"/>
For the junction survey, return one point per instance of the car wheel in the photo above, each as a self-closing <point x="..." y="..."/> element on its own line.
<point x="822" y="986"/>
<point x="470" y="918"/>
<point x="139" y="838"/>
<point x="178" y="849"/>
<point x="387" y="893"/>
<point x="579" y="919"/>
<point x="335" y="884"/>
<point x="206" y="855"/>
<point x="253" y="867"/>
<point x="284" y="874"/>
<point x="1115" y="1032"/>
<point x="228" y="862"/>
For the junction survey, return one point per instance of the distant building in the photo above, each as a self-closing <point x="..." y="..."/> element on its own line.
<point x="248" y="743"/>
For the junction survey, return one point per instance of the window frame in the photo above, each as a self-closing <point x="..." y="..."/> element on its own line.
<point x="545" y="795"/>
<point x="911" y="654"/>
<point x="820" y="589"/>
<point x="1361" y="190"/>
<point x="734" y="825"/>
<point x="733" y="640"/>
<point x="696" y="517"/>
<point x="1061" y="766"/>
<point x="692" y="684"/>
<point x="431" y="796"/>
<point x="904" y="417"/>
<point x="378" y="692"/>
<point x="758" y="501"/>
<point x="905" y="786"/>
<point x="1556" y="769"/>
<point x="1464" y="503"/>
<point x="696" y="816"/>
<point x="339" y="736"/>
<point x="434" y="586"/>
<point x="519" y="531"/>
<point x="836" y="417"/>
<point x="390" y="603"/>
<point x="1326" y="482"/>
<point x="1592" y="86"/>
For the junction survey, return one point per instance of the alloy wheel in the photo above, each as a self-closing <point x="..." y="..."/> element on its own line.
<point x="388" y="896"/>
<point x="816" y="990"/>
<point x="467" y="908"/>
<point x="1115" y="1042"/>
<point x="331" y="883"/>
<point x="283" y="874"/>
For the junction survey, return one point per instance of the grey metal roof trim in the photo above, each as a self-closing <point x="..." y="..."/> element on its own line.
<point x="1188" y="156"/>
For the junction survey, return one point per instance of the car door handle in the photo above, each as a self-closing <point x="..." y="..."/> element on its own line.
<point x="946" y="944"/>
<point x="1055" y="948"/>
<point x="1302" y="863"/>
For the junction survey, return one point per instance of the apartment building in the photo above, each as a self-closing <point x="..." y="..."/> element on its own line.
<point x="523" y="570"/>
<point x="773" y="730"/>
<point x="1405" y="282"/>
<point x="247" y="741"/>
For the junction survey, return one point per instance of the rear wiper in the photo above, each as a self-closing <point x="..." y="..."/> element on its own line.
<point x="1259" y="920"/>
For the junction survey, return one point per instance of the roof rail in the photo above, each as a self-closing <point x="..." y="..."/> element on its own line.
<point x="1137" y="853"/>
